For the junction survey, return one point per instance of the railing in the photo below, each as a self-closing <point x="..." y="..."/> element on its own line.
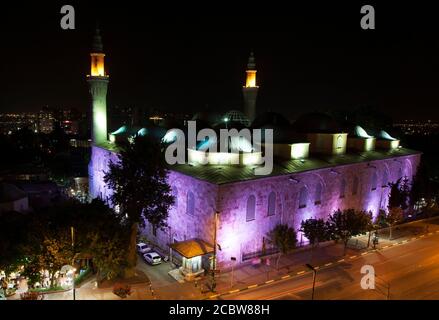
<point x="259" y="254"/>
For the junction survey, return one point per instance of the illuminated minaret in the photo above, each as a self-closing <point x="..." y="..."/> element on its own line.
<point x="98" y="82"/>
<point x="250" y="90"/>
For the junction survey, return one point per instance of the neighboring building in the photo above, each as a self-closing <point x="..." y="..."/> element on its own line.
<point x="318" y="168"/>
<point x="41" y="194"/>
<point x="12" y="199"/>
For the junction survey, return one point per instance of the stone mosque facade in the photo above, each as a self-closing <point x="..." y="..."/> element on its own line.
<point x="319" y="167"/>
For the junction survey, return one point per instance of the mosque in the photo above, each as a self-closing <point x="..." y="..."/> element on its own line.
<point x="225" y="209"/>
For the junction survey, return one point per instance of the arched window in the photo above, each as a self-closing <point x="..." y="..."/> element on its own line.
<point x="251" y="207"/>
<point x="318" y="194"/>
<point x="342" y="188"/>
<point x="175" y="195"/>
<point x="339" y="142"/>
<point x="374" y="181"/>
<point x="399" y="174"/>
<point x="385" y="181"/>
<point x="272" y="204"/>
<point x="190" y="206"/>
<point x="355" y="185"/>
<point x="303" y="197"/>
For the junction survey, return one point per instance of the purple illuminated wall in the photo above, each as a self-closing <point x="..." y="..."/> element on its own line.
<point x="236" y="235"/>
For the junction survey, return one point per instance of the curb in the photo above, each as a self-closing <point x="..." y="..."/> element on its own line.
<point x="329" y="264"/>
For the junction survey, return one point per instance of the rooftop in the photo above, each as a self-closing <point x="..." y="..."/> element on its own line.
<point x="220" y="174"/>
<point x="192" y="248"/>
<point x="223" y="174"/>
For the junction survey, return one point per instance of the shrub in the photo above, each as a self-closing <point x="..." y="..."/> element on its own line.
<point x="31" y="295"/>
<point x="122" y="290"/>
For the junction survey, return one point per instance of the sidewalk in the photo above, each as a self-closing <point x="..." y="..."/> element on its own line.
<point x="323" y="256"/>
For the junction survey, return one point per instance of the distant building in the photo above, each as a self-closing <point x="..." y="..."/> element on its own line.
<point x="46" y="120"/>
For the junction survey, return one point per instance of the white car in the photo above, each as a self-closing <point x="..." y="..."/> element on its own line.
<point x="143" y="248"/>
<point x="152" y="258"/>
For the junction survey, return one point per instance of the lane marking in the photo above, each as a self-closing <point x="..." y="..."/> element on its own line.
<point x="301" y="272"/>
<point x="414" y="238"/>
<point x="317" y="268"/>
<point x="214" y="296"/>
<point x="364" y="253"/>
<point x="328" y="264"/>
<point x="286" y="277"/>
<point x="252" y="286"/>
<point x="353" y="257"/>
<point x="234" y="291"/>
<point x="386" y="247"/>
<point x="341" y="260"/>
<point x="269" y="281"/>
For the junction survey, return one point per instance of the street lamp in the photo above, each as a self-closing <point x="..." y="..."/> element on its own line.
<point x="72" y="230"/>
<point x="233" y="259"/>
<point x="313" y="278"/>
<point x="226" y="120"/>
<point x="215" y="244"/>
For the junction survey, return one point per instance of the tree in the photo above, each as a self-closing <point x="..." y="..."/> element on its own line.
<point x="138" y="180"/>
<point x="421" y="188"/>
<point x="348" y="223"/>
<point x="13" y="239"/>
<point x="394" y="216"/>
<point x="399" y="194"/>
<point x="316" y="231"/>
<point x="283" y="238"/>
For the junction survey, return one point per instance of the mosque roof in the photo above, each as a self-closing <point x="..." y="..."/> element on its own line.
<point x="221" y="174"/>
<point x="316" y="122"/>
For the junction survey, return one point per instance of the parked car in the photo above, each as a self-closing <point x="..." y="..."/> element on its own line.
<point x="152" y="258"/>
<point x="143" y="248"/>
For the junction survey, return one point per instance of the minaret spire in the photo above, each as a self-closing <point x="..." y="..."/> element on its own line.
<point x="98" y="82"/>
<point x="250" y="90"/>
<point x="97" y="41"/>
<point x="251" y="65"/>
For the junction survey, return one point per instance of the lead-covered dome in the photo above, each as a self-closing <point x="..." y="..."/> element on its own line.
<point x="316" y="122"/>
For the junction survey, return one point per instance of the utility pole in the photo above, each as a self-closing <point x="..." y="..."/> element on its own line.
<point x="313" y="279"/>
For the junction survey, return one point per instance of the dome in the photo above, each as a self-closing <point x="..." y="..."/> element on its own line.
<point x="207" y="117"/>
<point x="383" y="135"/>
<point x="270" y="119"/>
<point x="235" y="116"/>
<point x="315" y="123"/>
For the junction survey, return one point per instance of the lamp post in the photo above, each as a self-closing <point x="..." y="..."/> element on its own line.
<point x="313" y="279"/>
<point x="72" y="230"/>
<point x="233" y="259"/>
<point x="214" y="250"/>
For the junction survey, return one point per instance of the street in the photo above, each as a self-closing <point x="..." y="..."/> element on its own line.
<point x="411" y="269"/>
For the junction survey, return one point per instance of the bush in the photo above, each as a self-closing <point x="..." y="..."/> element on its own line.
<point x="31" y="295"/>
<point x="122" y="290"/>
<point x="55" y="288"/>
<point x="79" y="279"/>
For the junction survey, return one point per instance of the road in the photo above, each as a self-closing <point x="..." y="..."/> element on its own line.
<point x="406" y="271"/>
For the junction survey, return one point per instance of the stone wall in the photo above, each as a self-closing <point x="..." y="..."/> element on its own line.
<point x="236" y="235"/>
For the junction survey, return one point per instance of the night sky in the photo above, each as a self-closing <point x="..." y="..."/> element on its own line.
<point x="190" y="58"/>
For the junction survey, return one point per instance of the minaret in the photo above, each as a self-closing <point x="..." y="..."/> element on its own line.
<point x="98" y="82"/>
<point x="250" y="90"/>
